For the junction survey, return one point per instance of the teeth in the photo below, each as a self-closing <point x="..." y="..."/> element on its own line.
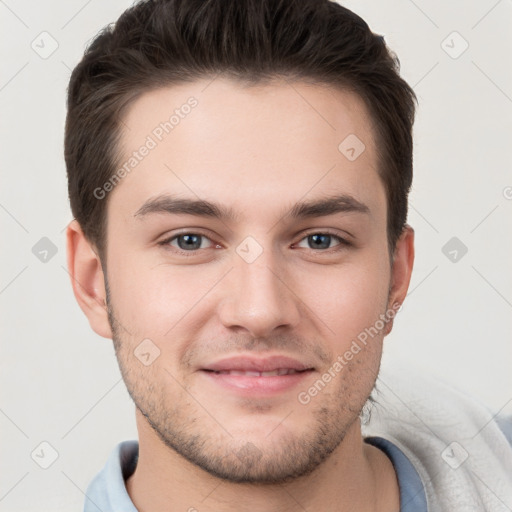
<point x="251" y="373"/>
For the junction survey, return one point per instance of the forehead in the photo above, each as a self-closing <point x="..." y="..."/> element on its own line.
<point x="250" y="147"/>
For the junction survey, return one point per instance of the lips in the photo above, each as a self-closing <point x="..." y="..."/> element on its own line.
<point x="258" y="367"/>
<point x="257" y="377"/>
<point x="250" y="373"/>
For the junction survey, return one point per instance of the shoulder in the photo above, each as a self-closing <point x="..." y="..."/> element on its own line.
<point x="107" y="491"/>
<point x="461" y="449"/>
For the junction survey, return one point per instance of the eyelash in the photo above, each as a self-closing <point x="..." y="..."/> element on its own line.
<point x="343" y="243"/>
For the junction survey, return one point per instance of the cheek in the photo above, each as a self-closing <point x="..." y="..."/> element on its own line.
<point x="348" y="298"/>
<point x="153" y="300"/>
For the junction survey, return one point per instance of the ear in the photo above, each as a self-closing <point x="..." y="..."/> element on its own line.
<point x="401" y="270"/>
<point x="87" y="279"/>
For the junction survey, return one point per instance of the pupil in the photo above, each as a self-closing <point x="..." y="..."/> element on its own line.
<point x="191" y="241"/>
<point x="321" y="241"/>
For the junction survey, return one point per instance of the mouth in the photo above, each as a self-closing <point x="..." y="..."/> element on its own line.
<point x="251" y="376"/>
<point x="252" y="373"/>
<point x="258" y="365"/>
<point x="257" y="384"/>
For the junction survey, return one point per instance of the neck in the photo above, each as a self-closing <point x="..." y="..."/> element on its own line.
<point x="356" y="476"/>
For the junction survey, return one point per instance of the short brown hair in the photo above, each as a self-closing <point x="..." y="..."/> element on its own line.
<point x="159" y="43"/>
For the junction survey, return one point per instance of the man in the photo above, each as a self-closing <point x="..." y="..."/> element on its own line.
<point x="239" y="174"/>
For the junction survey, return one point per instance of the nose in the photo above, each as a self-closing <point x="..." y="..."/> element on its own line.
<point x="258" y="297"/>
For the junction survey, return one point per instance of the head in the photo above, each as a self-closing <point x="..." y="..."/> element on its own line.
<point x="239" y="174"/>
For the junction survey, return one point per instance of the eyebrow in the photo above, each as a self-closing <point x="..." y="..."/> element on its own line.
<point x="343" y="203"/>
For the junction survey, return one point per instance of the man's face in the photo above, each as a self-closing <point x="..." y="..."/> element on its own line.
<point x="262" y="284"/>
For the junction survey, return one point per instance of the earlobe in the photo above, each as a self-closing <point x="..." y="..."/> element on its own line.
<point x="87" y="279"/>
<point x="401" y="272"/>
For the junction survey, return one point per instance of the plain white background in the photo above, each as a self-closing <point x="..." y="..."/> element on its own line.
<point x="60" y="382"/>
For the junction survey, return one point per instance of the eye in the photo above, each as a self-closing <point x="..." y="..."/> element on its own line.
<point x="323" y="240"/>
<point x="187" y="242"/>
